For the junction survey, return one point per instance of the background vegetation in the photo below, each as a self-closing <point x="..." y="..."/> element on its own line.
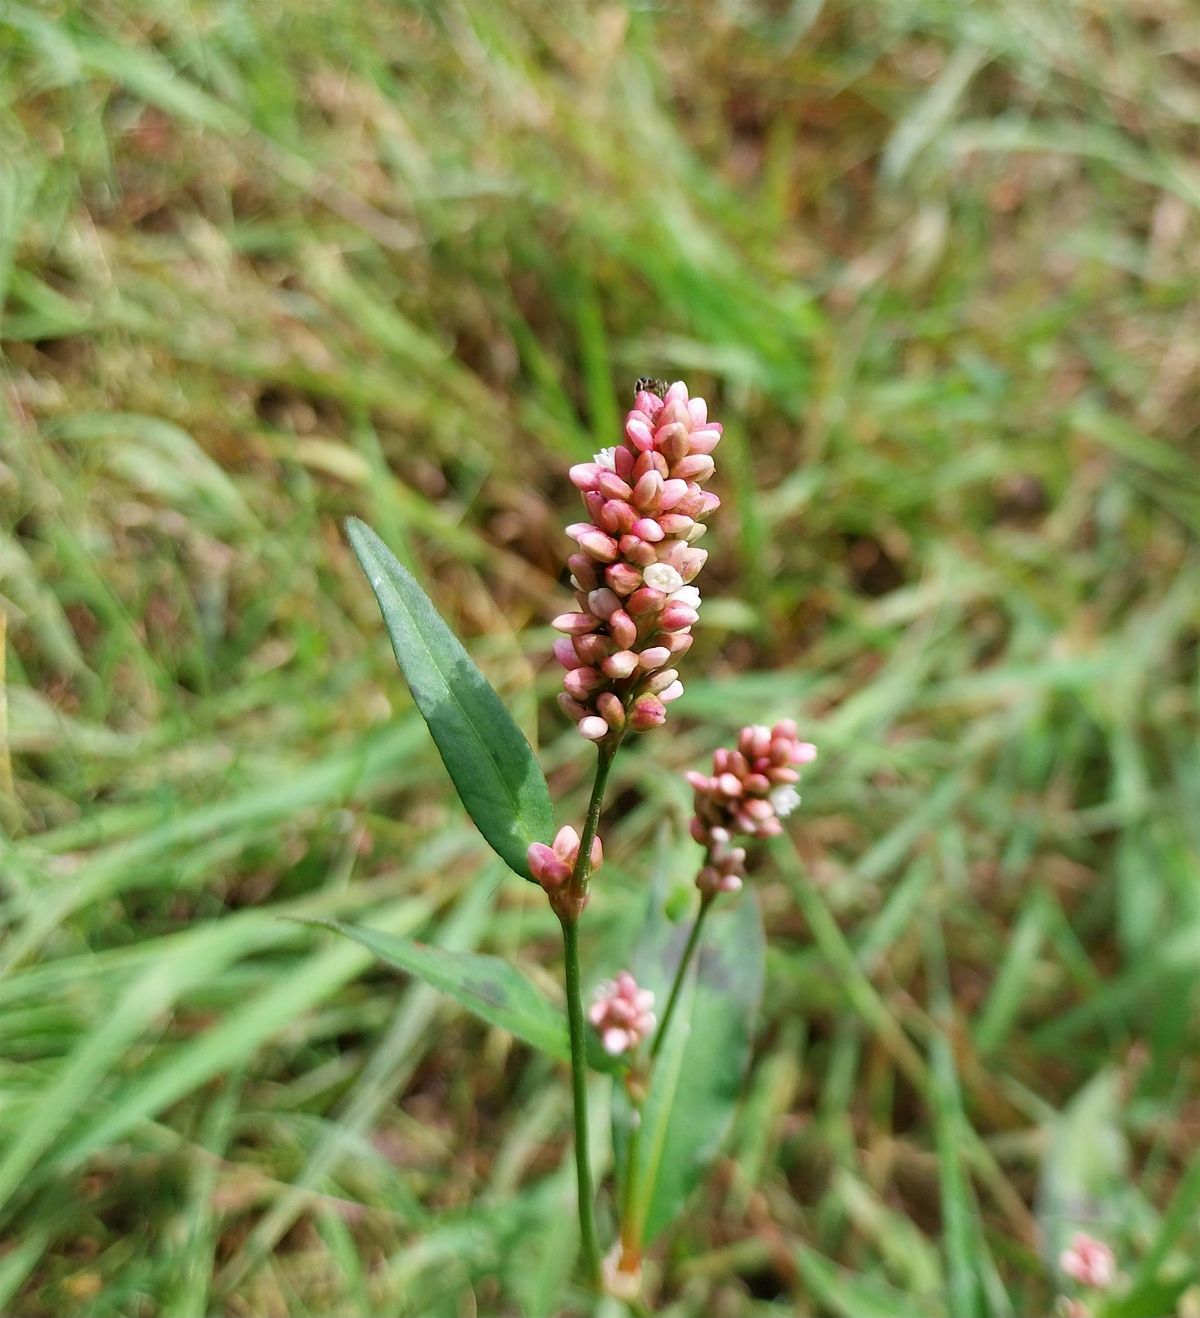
<point x="263" y="265"/>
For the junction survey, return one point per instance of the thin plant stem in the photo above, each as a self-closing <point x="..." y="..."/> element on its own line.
<point x="680" y="974"/>
<point x="589" y="1241"/>
<point x="569" y="910"/>
<point x="577" y="885"/>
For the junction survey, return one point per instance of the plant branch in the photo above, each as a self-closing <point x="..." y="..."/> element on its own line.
<point x="577" y="886"/>
<point x="685" y="961"/>
<point x="568" y="908"/>
<point x="589" y="1241"/>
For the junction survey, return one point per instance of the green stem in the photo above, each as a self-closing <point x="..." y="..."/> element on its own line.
<point x="568" y="906"/>
<point x="589" y="1241"/>
<point x="684" y="962"/>
<point x="577" y="886"/>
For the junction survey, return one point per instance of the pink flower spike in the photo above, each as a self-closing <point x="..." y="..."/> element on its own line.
<point x="631" y="570"/>
<point x="1089" y="1261"/>
<point x="750" y="791"/>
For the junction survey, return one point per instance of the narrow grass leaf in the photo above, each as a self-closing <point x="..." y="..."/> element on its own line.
<point x="487" y="986"/>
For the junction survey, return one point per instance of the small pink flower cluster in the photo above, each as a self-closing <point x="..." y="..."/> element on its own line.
<point x="749" y="791"/>
<point x="1089" y="1261"/>
<point x="635" y="565"/>
<point x="621" y="1013"/>
<point x="552" y="865"/>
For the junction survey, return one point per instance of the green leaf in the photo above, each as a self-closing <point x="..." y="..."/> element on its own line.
<point x="490" y="762"/>
<point x="488" y="987"/>
<point x="698" y="1075"/>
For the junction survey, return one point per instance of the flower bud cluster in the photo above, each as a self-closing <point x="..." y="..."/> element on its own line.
<point x="750" y="790"/>
<point x="552" y="865"/>
<point x="634" y="566"/>
<point x="621" y="1013"/>
<point x="1089" y="1261"/>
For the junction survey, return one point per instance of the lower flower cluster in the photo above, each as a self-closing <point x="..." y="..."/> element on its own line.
<point x="750" y="790"/>
<point x="621" y="1013"/>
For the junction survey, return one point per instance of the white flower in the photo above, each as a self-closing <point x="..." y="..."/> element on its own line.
<point x="784" y="800"/>
<point x="662" y="576"/>
<point x="688" y="595"/>
<point x="607" y="457"/>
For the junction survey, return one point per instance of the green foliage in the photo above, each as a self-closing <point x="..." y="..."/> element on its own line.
<point x="489" y="761"/>
<point x="698" y="1074"/>
<point x="266" y="266"/>
<point x="488" y="987"/>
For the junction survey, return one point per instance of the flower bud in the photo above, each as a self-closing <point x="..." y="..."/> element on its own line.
<point x="546" y="867"/>
<point x="698" y="467"/>
<point x="612" y="711"/>
<point x="575" y="624"/>
<point x="622" y="628"/>
<point x="644" y="601"/>
<point x="654" y="657"/>
<point x="647" y="712"/>
<point x="612" y="486"/>
<point x="677" y="616"/>
<point x="622" y="578"/>
<point x="583" y="571"/>
<point x="600" y="546"/>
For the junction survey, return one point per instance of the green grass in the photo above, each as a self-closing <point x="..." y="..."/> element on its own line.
<point x="262" y="266"/>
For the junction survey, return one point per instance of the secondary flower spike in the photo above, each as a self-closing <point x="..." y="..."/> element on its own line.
<point x="750" y="790"/>
<point x="621" y="1013"/>
<point x="635" y="564"/>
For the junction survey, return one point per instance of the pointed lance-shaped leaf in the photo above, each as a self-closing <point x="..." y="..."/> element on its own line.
<point x="487" y="986"/>
<point x="490" y="762"/>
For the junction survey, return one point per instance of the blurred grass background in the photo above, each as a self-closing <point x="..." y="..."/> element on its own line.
<point x="935" y="266"/>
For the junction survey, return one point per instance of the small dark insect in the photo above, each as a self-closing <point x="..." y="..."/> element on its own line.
<point x="650" y="385"/>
